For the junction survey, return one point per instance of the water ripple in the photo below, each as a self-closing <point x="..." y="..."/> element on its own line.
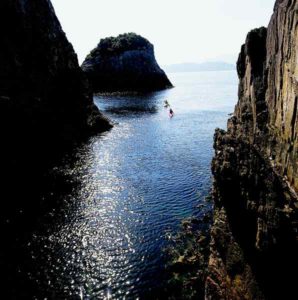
<point x="131" y="188"/>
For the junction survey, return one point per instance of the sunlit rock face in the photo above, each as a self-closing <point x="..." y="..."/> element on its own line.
<point x="282" y="92"/>
<point x="124" y="63"/>
<point x="255" y="168"/>
<point x="44" y="96"/>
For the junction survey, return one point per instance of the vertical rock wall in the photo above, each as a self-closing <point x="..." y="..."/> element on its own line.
<point x="282" y="92"/>
<point x="254" y="235"/>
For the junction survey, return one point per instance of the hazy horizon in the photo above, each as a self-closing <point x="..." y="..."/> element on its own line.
<point x="181" y="32"/>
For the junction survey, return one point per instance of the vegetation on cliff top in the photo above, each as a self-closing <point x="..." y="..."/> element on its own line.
<point x="116" y="45"/>
<point x="124" y="63"/>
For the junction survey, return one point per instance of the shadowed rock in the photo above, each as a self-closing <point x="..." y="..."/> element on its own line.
<point x="45" y="98"/>
<point x="124" y="63"/>
<point x="46" y="106"/>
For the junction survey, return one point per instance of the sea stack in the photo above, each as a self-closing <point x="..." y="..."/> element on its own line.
<point x="253" y="253"/>
<point x="123" y="64"/>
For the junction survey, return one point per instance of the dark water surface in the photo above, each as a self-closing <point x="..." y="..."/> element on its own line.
<point x="128" y="190"/>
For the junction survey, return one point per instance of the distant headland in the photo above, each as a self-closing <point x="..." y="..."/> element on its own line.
<point x="200" y="67"/>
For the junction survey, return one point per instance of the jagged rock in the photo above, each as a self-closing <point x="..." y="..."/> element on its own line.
<point x="255" y="168"/>
<point x="124" y="63"/>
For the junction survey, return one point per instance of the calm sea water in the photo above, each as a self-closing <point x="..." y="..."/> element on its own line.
<point x="128" y="191"/>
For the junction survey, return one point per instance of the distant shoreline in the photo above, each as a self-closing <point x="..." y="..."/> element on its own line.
<point x="203" y="71"/>
<point x="202" y="67"/>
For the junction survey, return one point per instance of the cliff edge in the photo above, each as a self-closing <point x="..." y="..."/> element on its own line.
<point x="254" y="235"/>
<point x="124" y="63"/>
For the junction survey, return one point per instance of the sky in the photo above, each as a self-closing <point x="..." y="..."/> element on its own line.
<point x="180" y="30"/>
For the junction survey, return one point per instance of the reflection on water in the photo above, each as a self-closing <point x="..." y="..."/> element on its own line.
<point x="131" y="187"/>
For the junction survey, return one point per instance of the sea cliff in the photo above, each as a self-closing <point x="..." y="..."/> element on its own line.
<point x="124" y="63"/>
<point x="45" y="98"/>
<point x="253" y="252"/>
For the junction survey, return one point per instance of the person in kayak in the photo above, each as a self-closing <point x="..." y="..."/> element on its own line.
<point x="166" y="104"/>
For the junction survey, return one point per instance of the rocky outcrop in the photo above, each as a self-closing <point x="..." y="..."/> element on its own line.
<point x="45" y="98"/>
<point x="254" y="235"/>
<point x="124" y="63"/>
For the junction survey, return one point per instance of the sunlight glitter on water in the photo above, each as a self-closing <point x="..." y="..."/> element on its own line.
<point x="130" y="189"/>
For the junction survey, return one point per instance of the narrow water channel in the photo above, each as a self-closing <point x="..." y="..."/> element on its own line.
<point x="130" y="189"/>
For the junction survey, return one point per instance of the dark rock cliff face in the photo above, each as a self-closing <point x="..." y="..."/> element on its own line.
<point x="254" y="235"/>
<point x="45" y="105"/>
<point x="124" y="63"/>
<point x="44" y="96"/>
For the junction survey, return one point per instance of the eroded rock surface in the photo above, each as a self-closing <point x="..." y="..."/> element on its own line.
<point x="254" y="235"/>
